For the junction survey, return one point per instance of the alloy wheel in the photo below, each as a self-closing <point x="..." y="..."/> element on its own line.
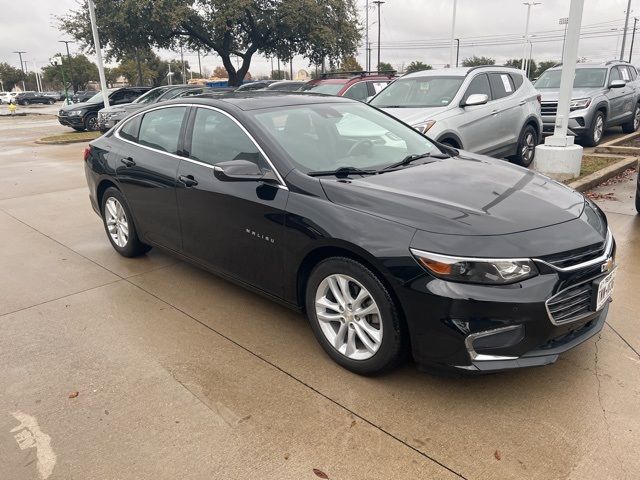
<point x="92" y="123"/>
<point x="636" y="118"/>
<point x="597" y="132"/>
<point x="348" y="317"/>
<point x="117" y="223"/>
<point x="528" y="148"/>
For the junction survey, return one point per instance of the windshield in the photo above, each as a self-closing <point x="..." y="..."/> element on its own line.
<point x="418" y="92"/>
<point x="584" y="78"/>
<point x="330" y="136"/>
<point x="150" y="96"/>
<point x="97" y="98"/>
<point x="323" y="88"/>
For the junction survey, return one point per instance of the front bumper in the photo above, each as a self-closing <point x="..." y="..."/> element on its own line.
<point x="107" y="122"/>
<point x="480" y="328"/>
<point x="71" y="120"/>
<point x="579" y="123"/>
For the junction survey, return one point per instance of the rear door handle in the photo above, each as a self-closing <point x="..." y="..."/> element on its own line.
<point x="495" y="112"/>
<point x="188" y="180"/>
<point x="129" y="162"/>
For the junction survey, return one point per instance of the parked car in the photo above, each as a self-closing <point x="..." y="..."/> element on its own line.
<point x="390" y="243"/>
<point x="82" y="96"/>
<point x="28" y="98"/>
<point x="8" y="97"/>
<point x="286" y="86"/>
<point x="84" y="116"/>
<point x="604" y="95"/>
<point x="108" y="117"/>
<point x="57" y="96"/>
<point x="355" y="85"/>
<point x="257" y="85"/>
<point x="490" y="110"/>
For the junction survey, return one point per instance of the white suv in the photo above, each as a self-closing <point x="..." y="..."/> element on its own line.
<point x="489" y="110"/>
<point x="8" y="97"/>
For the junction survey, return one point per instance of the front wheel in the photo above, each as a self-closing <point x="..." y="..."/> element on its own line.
<point x="26" y="102"/>
<point x="594" y="135"/>
<point x="91" y="123"/>
<point x="526" y="146"/>
<point x="51" y="102"/>
<point x="118" y="223"/>
<point x="633" y="124"/>
<point x="354" y="317"/>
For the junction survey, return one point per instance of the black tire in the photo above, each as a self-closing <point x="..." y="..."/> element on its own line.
<point x="78" y="129"/>
<point x="26" y="102"/>
<point x="591" y="139"/>
<point x="526" y="146"/>
<point x="51" y="102"/>
<point x="633" y="124"/>
<point x="133" y="246"/>
<point x="393" y="346"/>
<point x="91" y="122"/>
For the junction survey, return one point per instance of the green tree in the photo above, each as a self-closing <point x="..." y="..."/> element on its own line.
<point x="417" y="66"/>
<point x="476" y="61"/>
<point x="385" y="67"/>
<point x="517" y="63"/>
<point x="350" y="64"/>
<point x="279" y="75"/>
<point x="315" y="29"/>
<point x="84" y="70"/>
<point x="543" y="66"/>
<point x="219" y="72"/>
<point x="10" y="76"/>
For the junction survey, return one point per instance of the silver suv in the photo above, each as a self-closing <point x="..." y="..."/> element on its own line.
<point x="604" y="95"/>
<point x="490" y="110"/>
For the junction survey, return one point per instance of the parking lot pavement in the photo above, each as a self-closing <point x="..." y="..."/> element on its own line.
<point x="181" y="374"/>
<point x="33" y="109"/>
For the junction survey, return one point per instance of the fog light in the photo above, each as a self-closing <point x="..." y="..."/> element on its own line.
<point x="481" y="344"/>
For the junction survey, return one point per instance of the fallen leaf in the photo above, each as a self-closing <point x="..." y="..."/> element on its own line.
<point x="353" y="423"/>
<point x="320" y="474"/>
<point x="497" y="454"/>
<point x="286" y="456"/>
<point x="74" y="394"/>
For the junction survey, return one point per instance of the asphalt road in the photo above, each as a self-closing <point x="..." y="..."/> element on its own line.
<point x="180" y="374"/>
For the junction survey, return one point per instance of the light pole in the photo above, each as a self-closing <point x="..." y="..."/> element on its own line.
<point x="96" y="42"/>
<point x="453" y="32"/>
<point x="366" y="41"/>
<point x="457" y="51"/>
<point x="633" y="37"/>
<point x="626" y="25"/>
<point x="564" y="21"/>
<point x="20" y="52"/>
<point x="526" y="30"/>
<point x="378" y="3"/>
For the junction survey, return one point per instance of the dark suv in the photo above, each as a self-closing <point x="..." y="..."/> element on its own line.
<point x="84" y="116"/>
<point x="27" y="98"/>
<point x="355" y="85"/>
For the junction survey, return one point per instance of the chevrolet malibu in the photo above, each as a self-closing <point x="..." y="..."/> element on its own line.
<point x="392" y="244"/>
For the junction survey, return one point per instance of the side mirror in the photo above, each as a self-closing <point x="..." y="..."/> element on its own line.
<point x="240" y="171"/>
<point x="475" y="99"/>
<point x="617" y="84"/>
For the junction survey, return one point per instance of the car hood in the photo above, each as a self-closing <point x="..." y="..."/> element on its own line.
<point x="413" y="116"/>
<point x="551" y="95"/>
<point x="466" y="195"/>
<point x="126" y="108"/>
<point x="78" y="106"/>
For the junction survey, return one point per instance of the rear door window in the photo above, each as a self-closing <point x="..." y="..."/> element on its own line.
<point x="501" y="85"/>
<point x="357" y="91"/>
<point x="160" y="129"/>
<point x="479" y="85"/>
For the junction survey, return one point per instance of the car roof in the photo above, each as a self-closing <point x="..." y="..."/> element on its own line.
<point x="261" y="99"/>
<point x="460" y="71"/>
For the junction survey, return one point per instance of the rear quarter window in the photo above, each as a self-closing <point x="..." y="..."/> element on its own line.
<point x="517" y="80"/>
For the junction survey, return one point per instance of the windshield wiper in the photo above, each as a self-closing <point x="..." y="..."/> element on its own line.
<point x="342" y="172"/>
<point x="410" y="159"/>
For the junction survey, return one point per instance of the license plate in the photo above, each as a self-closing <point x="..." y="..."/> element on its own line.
<point x="605" y="289"/>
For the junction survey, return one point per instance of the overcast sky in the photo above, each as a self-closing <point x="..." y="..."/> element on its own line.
<point x="411" y="30"/>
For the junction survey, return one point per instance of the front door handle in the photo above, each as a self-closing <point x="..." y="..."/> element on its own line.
<point x="522" y="103"/>
<point x="188" y="180"/>
<point x="128" y="162"/>
<point x="495" y="112"/>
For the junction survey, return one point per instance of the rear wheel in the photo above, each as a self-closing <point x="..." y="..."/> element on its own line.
<point x="118" y="223"/>
<point x="633" y="124"/>
<point x="26" y="102"/>
<point x="596" y="130"/>
<point x="353" y="317"/>
<point x="526" y="146"/>
<point x="51" y="101"/>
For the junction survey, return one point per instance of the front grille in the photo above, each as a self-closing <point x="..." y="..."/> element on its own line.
<point x="577" y="256"/>
<point x="549" y="108"/>
<point x="571" y="304"/>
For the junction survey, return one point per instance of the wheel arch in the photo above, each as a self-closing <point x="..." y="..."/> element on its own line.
<point x="102" y="187"/>
<point x="451" y="137"/>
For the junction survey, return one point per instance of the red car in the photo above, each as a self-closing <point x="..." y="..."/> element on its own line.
<point x="355" y="85"/>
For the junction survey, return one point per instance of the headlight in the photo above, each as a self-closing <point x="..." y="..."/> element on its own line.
<point x="495" y="271"/>
<point x="579" y="103"/>
<point x="424" y="127"/>
<point x="76" y="113"/>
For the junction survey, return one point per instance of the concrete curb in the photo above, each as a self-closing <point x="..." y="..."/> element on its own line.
<point x="596" y="178"/>
<point x="63" y="142"/>
<point x="615" y="146"/>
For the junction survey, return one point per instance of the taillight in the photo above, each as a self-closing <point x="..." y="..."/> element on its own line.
<point x="539" y="97"/>
<point x="87" y="153"/>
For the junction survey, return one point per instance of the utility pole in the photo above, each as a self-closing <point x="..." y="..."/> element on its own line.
<point x="457" y="51"/>
<point x="366" y="41"/>
<point x="626" y="25"/>
<point x="453" y="32"/>
<point x="184" y="71"/>
<point x="199" y="64"/>
<point x="96" y="42"/>
<point x="20" y="55"/>
<point x="633" y="37"/>
<point x="378" y="3"/>
<point x="526" y="30"/>
<point x="564" y="21"/>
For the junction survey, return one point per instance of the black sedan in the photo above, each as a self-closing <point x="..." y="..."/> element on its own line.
<point x="389" y="242"/>
<point x="28" y="98"/>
